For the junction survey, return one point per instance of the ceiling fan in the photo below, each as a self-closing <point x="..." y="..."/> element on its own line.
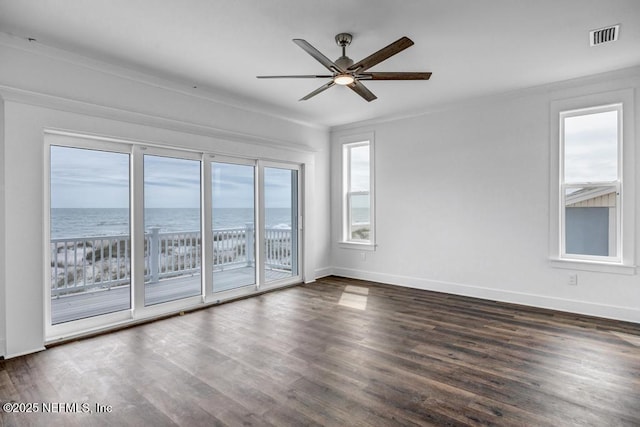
<point x="345" y="72"/>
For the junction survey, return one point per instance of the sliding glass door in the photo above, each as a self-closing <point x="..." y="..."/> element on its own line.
<point x="90" y="237"/>
<point x="233" y="219"/>
<point x="280" y="226"/>
<point x="173" y="244"/>
<point x="242" y="251"/>
<point x="139" y="231"/>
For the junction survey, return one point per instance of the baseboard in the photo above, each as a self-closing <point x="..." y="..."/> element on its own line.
<point x="23" y="353"/>
<point x="626" y="314"/>
<point x="323" y="272"/>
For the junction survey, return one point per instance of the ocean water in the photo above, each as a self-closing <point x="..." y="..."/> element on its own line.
<point x="71" y="222"/>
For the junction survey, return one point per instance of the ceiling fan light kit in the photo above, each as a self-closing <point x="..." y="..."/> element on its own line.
<point x="343" y="79"/>
<point x="345" y="72"/>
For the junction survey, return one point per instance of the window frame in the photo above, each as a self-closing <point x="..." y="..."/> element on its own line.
<point x="139" y="291"/>
<point x="297" y="245"/>
<point x="346" y="144"/>
<point x="83" y="142"/>
<point x="617" y="183"/>
<point x="624" y="260"/>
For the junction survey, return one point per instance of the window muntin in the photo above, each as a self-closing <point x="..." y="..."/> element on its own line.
<point x="590" y="183"/>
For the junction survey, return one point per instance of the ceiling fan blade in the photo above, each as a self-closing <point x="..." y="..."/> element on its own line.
<point x="384" y="53"/>
<point x="394" y="75"/>
<point x="309" y="76"/>
<point x="317" y="91"/>
<point x="329" y="64"/>
<point x="361" y="90"/>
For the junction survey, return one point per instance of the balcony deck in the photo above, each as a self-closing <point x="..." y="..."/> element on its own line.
<point x="87" y="304"/>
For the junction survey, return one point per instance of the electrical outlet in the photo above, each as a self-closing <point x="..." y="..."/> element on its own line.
<point x="573" y="280"/>
<point x="363" y="256"/>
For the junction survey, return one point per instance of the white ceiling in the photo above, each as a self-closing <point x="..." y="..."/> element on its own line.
<point x="474" y="48"/>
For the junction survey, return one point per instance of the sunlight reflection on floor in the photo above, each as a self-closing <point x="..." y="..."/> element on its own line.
<point x="631" y="339"/>
<point x="354" y="297"/>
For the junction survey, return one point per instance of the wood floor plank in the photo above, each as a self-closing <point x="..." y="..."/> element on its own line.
<point x="298" y="357"/>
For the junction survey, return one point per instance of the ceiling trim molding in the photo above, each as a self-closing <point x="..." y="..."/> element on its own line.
<point x="147" y="78"/>
<point x="547" y="88"/>
<point x="81" y="107"/>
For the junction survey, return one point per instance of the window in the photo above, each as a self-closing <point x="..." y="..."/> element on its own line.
<point x="90" y="245"/>
<point x="591" y="187"/>
<point x="233" y="219"/>
<point x="357" y="211"/>
<point x="280" y="225"/>
<point x="173" y="247"/>
<point x="592" y="193"/>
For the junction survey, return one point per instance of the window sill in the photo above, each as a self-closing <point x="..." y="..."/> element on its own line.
<point x="599" y="267"/>
<point x="357" y="246"/>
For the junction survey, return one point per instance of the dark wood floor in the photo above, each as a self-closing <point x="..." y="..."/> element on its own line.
<point x="329" y="354"/>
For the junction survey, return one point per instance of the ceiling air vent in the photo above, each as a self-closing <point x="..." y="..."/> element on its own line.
<point x="604" y="35"/>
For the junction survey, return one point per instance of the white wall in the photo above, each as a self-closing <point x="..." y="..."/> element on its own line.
<point x="3" y="299"/>
<point x="43" y="89"/>
<point x="462" y="200"/>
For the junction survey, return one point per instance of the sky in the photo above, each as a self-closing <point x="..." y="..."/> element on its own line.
<point x="89" y="179"/>
<point x="360" y="171"/>
<point x="83" y="178"/>
<point x="360" y="168"/>
<point x="591" y="148"/>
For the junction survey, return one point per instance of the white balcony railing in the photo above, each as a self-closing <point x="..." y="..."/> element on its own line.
<point x="85" y="263"/>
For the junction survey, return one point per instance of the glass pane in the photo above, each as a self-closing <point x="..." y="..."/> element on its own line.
<point x="172" y="229"/>
<point x="90" y="236"/>
<point x="359" y="168"/>
<point x="233" y="226"/>
<point x="360" y="217"/>
<point x="591" y="147"/>
<point x="281" y="225"/>
<point x="590" y="221"/>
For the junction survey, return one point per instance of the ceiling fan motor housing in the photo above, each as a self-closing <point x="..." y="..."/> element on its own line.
<point x="344" y="62"/>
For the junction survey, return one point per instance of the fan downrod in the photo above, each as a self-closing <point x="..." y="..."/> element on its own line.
<point x="343" y="40"/>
